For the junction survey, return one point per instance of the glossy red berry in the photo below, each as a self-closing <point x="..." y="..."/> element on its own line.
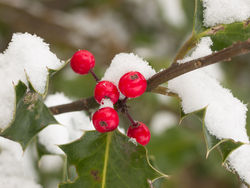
<point x="140" y="132"/>
<point x="82" y="62"/>
<point x="132" y="84"/>
<point x="105" y="119"/>
<point x="106" y="90"/>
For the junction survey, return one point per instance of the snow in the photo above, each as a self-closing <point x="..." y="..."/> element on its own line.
<point x="28" y="54"/>
<point x="72" y="126"/>
<point x="13" y="166"/>
<point x="239" y="160"/>
<point x="226" y="115"/>
<point x="225" y="11"/>
<point x="52" y="136"/>
<point x="162" y="121"/>
<point x="122" y="130"/>
<point x="203" y="49"/>
<point x="51" y="163"/>
<point x="78" y="121"/>
<point x="126" y="62"/>
<point x="106" y="103"/>
<point x="133" y="140"/>
<point x="27" y="58"/>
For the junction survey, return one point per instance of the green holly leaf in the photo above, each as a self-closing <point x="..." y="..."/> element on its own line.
<point x="225" y="146"/>
<point x="109" y="160"/>
<point x="30" y="118"/>
<point x="222" y="35"/>
<point x="174" y="148"/>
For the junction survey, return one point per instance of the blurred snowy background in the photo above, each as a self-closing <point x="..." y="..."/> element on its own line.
<point x="153" y="29"/>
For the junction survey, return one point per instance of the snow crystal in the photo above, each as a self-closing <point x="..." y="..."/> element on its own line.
<point x="72" y="126"/>
<point x="13" y="167"/>
<point x="106" y="103"/>
<point x="50" y="163"/>
<point x="15" y="181"/>
<point x="122" y="130"/>
<point x="27" y="58"/>
<point x="239" y="160"/>
<point x="52" y="136"/>
<point x="226" y="115"/>
<point x="162" y="121"/>
<point x="203" y="49"/>
<point x="126" y="62"/>
<point x="225" y="11"/>
<point x="29" y="54"/>
<point x="133" y="140"/>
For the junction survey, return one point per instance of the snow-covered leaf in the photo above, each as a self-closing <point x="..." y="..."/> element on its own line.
<point x="109" y="160"/>
<point x="28" y="59"/>
<point x="229" y="30"/>
<point x="30" y="118"/>
<point x="225" y="146"/>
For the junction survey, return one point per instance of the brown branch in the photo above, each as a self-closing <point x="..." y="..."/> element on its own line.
<point x="164" y="91"/>
<point x="82" y="104"/>
<point x="172" y="72"/>
<point x="176" y="70"/>
<point x="188" y="45"/>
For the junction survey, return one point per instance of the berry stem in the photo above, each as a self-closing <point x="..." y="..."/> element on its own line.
<point x="130" y="118"/>
<point x="94" y="75"/>
<point x="124" y="100"/>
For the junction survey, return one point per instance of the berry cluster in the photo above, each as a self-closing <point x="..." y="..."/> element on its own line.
<point x="131" y="85"/>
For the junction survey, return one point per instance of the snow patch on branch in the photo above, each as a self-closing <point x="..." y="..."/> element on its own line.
<point x="126" y="62"/>
<point x="225" y="116"/>
<point x="225" y="11"/>
<point x="26" y="59"/>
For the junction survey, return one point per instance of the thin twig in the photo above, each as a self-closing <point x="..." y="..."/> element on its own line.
<point x="94" y="75"/>
<point x="130" y="118"/>
<point x="188" y="45"/>
<point x="164" y="91"/>
<point x="82" y="104"/>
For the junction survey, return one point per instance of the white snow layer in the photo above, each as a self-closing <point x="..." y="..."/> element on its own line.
<point x="225" y="11"/>
<point x="225" y="115"/>
<point x="15" y="171"/>
<point x="106" y="103"/>
<point x="239" y="160"/>
<point x="27" y="58"/>
<point x="72" y="126"/>
<point x="51" y="163"/>
<point x="126" y="62"/>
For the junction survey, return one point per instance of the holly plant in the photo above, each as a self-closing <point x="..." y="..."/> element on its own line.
<point x="106" y="155"/>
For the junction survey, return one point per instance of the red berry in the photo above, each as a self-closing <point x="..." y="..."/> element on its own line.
<point x="106" y="89"/>
<point x="105" y="119"/>
<point x="140" y="132"/>
<point x="82" y="61"/>
<point x="132" y="84"/>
